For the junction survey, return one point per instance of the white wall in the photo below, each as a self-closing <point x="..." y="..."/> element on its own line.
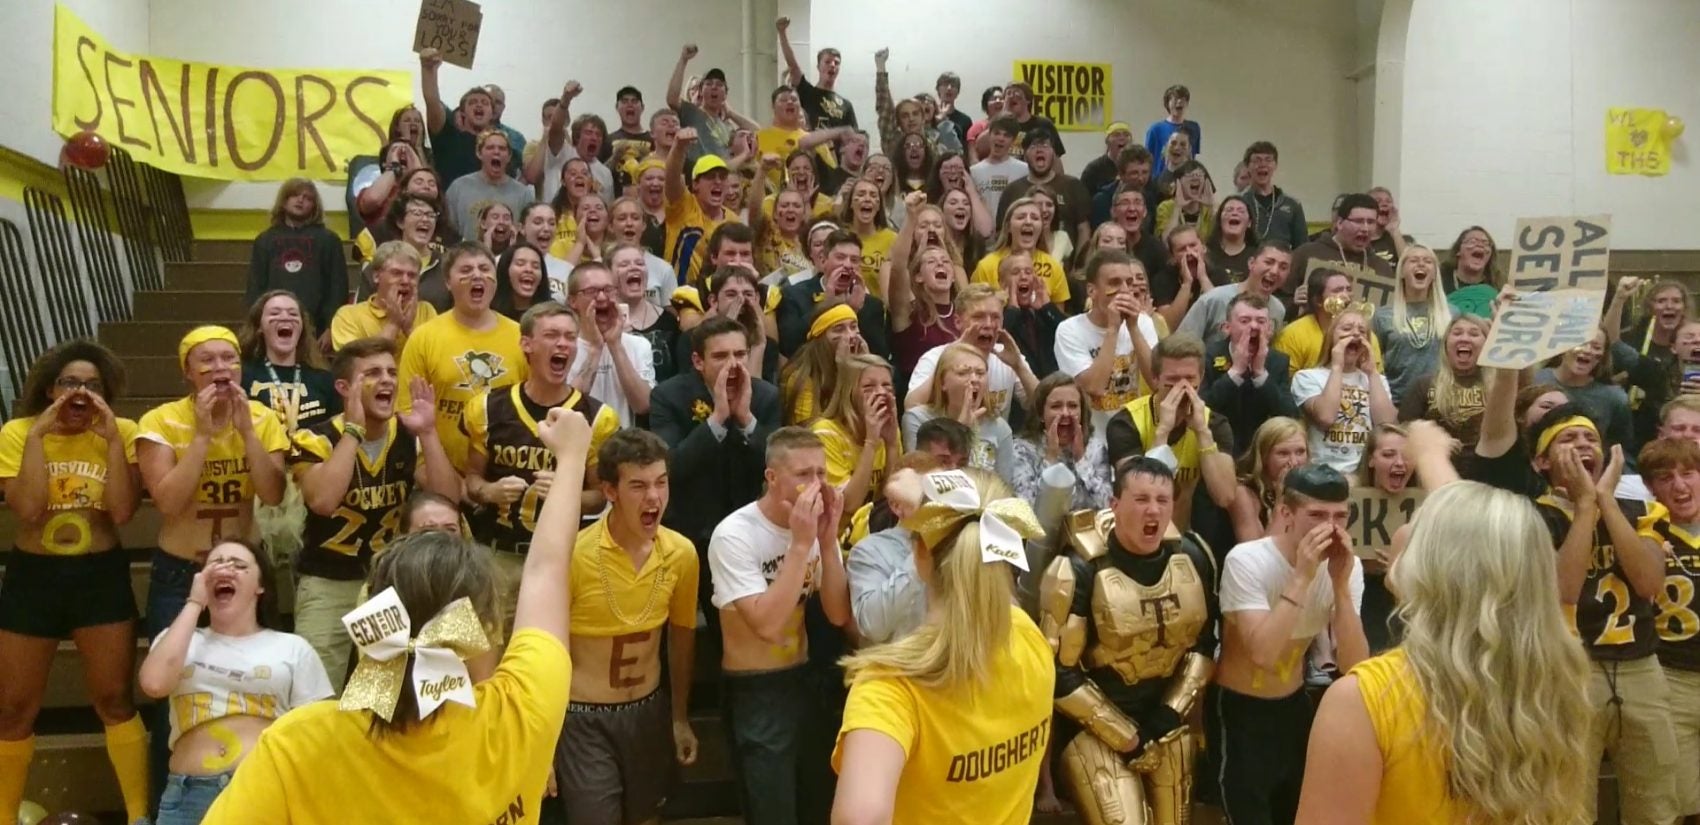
<point x="1504" y="107"/>
<point x="528" y="47"/>
<point x="26" y="60"/>
<point x="1257" y="70"/>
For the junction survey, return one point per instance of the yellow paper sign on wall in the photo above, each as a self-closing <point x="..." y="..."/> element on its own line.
<point x="1075" y="96"/>
<point x="223" y="122"/>
<point x="1636" y="143"/>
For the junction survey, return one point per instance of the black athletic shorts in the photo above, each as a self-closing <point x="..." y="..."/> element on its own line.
<point x="614" y="763"/>
<point x="50" y="596"/>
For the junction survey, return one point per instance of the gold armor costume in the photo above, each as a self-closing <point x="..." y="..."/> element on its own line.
<point x="1133" y="637"/>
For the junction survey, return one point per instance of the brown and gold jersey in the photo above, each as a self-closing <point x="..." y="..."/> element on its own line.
<point x="341" y="545"/>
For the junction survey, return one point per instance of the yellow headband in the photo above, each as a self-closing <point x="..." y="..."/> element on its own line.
<point x="201" y="335"/>
<point x="952" y="499"/>
<point x="829" y="319"/>
<point x="1550" y="433"/>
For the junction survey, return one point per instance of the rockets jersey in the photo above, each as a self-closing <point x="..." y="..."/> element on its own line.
<point x="1678" y="622"/>
<point x="340" y="546"/>
<point x="1613" y="622"/>
<point x="501" y="428"/>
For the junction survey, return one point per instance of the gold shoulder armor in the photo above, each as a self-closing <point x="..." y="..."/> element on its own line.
<point x="1065" y="631"/>
<point x="1089" y="531"/>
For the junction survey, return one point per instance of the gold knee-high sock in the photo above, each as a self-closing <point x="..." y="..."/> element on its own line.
<point x="14" y="771"/>
<point x="127" y="747"/>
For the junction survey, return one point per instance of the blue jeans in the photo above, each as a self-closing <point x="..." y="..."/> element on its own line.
<point x="187" y="798"/>
<point x="168" y="591"/>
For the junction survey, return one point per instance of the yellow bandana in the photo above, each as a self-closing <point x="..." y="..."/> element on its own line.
<point x="201" y="335"/>
<point x="1550" y="433"/>
<point x="829" y="319"/>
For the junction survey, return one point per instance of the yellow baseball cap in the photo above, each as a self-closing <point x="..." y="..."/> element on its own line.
<point x="1118" y="126"/>
<point x="706" y="164"/>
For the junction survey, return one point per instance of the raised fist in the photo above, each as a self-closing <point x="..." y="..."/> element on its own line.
<point x="689" y="51"/>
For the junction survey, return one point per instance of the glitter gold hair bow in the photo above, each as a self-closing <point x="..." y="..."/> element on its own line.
<point x="952" y="498"/>
<point x="383" y="633"/>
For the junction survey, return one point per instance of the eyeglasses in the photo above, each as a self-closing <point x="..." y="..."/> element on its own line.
<point x="594" y="291"/>
<point x="421" y="213"/>
<point x="93" y="385"/>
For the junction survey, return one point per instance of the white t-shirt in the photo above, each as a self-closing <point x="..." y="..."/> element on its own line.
<point x="1001" y="381"/>
<point x="552" y="164"/>
<point x="1078" y="342"/>
<point x="1255" y="573"/>
<point x="605" y="387"/>
<point x="745" y="553"/>
<point x="662" y="279"/>
<point x="265" y="675"/>
<point x="1341" y="446"/>
<point x="992" y="178"/>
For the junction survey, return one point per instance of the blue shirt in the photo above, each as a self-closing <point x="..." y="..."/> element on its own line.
<point x="1157" y="137"/>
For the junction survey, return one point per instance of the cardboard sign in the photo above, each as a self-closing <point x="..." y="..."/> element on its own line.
<point x="1075" y="96"/>
<point x="1367" y="283"/>
<point x="1376" y="516"/>
<point x="450" y="27"/>
<point x="1559" y="269"/>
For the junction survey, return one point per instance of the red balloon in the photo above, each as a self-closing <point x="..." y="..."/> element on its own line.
<point x="87" y="150"/>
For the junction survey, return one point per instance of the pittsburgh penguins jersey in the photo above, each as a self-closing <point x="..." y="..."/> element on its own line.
<point x="340" y="546"/>
<point x="501" y="426"/>
<point x="1613" y="622"/>
<point x="1678" y="619"/>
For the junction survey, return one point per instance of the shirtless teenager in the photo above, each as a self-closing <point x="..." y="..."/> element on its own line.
<point x="630" y="577"/>
<point x="767" y="558"/>
<point x="1276" y="603"/>
<point x="205" y="458"/>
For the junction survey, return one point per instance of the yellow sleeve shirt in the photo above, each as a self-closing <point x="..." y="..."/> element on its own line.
<point x="301" y="770"/>
<point x="972" y="753"/>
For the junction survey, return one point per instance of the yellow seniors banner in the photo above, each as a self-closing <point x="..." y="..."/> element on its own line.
<point x="222" y="122"/>
<point x="1075" y="96"/>
<point x="1636" y="142"/>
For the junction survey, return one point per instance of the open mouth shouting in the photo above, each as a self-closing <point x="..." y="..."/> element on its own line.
<point x="1397" y="477"/>
<point x="650" y="518"/>
<point x="478" y="291"/>
<point x="1151" y="529"/>
<point x="1463" y="354"/>
<point x="383" y="396"/>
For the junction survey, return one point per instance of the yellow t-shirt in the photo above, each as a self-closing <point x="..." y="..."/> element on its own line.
<point x="459" y="364"/>
<point x="876" y="250"/>
<point x="76" y="477"/>
<point x="1044" y="266"/>
<point x="566" y="234"/>
<point x="1301" y="342"/>
<point x="688" y="228"/>
<point x="1413" y="773"/>
<point x="842" y="453"/>
<point x="366" y="320"/>
<point x="972" y="752"/>
<point x="473" y="765"/>
<point x="664" y="591"/>
<point x="225" y="478"/>
<point x="775" y="252"/>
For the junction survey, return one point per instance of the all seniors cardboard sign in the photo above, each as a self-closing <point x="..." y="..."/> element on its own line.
<point x="1558" y="268"/>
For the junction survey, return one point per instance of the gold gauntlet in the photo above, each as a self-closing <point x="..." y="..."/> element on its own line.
<point x="1193" y="675"/>
<point x="1065" y="631"/>
<point x="1088" y="706"/>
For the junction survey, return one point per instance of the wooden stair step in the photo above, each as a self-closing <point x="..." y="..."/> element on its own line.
<point x="210" y="306"/>
<point x="129" y="338"/>
<point x="218" y="275"/>
<point x="71" y="772"/>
